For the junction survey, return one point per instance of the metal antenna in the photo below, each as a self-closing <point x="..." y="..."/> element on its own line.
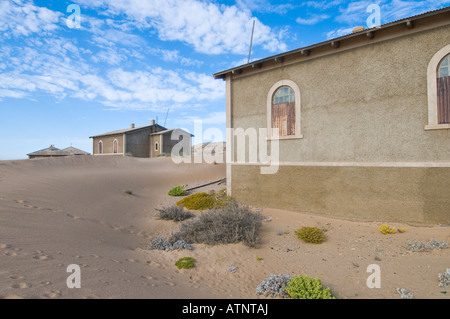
<point x="251" y="42"/>
<point x="166" y="116"/>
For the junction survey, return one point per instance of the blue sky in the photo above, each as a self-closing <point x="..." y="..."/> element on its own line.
<point x="131" y="61"/>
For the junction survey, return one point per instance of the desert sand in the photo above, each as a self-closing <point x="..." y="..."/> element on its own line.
<point x="58" y="212"/>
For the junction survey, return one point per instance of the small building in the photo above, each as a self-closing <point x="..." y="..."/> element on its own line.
<point x="363" y="124"/>
<point x="52" y="151"/>
<point x="143" y="142"/>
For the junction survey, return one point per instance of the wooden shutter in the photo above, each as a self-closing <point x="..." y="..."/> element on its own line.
<point x="443" y="97"/>
<point x="283" y="118"/>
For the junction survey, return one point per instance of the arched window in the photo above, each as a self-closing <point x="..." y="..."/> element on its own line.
<point x="116" y="146"/>
<point x="283" y="110"/>
<point x="100" y="147"/>
<point x="156" y="146"/>
<point x="438" y="75"/>
<point x="443" y="91"/>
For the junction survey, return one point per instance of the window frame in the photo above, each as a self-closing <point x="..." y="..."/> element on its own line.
<point x="270" y="97"/>
<point x="100" y="148"/>
<point x="432" y="75"/>
<point x="114" y="146"/>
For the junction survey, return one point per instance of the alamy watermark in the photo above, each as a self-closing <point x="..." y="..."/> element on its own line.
<point x="374" y="280"/>
<point x="74" y="20"/>
<point x="374" y="20"/>
<point x="248" y="146"/>
<point x="74" y="280"/>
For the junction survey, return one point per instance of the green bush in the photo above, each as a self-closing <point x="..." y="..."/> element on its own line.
<point x="175" y="213"/>
<point x="204" y="201"/>
<point x="310" y="235"/>
<point x="303" y="287"/>
<point x="185" y="263"/>
<point x="177" y="191"/>
<point x="225" y="225"/>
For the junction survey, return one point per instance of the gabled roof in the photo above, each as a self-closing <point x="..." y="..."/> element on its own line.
<point x="50" y="151"/>
<point x="129" y="130"/>
<point x="53" y="151"/>
<point x="360" y="37"/>
<point x="74" y="151"/>
<point x="170" y="131"/>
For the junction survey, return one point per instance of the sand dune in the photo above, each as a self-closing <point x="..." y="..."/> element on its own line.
<point x="58" y="212"/>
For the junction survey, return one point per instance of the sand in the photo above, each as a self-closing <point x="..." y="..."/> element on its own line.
<point x="59" y="212"/>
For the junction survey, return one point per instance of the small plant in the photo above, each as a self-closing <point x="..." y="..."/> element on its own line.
<point x="259" y="258"/>
<point x="303" y="287"/>
<point x="274" y="286"/>
<point x="204" y="201"/>
<point x="199" y="201"/>
<point x="386" y="229"/>
<point x="175" y="213"/>
<point x="311" y="235"/>
<point x="177" y="191"/>
<point x="185" y="263"/>
<point x="129" y="192"/>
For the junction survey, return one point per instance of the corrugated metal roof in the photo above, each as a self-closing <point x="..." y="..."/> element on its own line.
<point x="127" y="130"/>
<point x="53" y="151"/>
<point x="170" y="131"/>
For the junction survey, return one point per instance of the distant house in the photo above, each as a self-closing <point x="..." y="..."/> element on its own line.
<point x="144" y="142"/>
<point x="52" y="151"/>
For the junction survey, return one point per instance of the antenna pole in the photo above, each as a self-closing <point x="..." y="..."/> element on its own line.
<point x="166" y="116"/>
<point x="251" y="42"/>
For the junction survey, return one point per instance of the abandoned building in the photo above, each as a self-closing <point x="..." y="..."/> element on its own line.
<point x="363" y="121"/>
<point x="144" y="142"/>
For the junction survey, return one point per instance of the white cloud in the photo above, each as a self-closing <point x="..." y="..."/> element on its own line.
<point x="207" y="27"/>
<point x="213" y="118"/>
<point x="313" y="19"/>
<point x="339" y="33"/>
<point x="265" y="6"/>
<point x="22" y="18"/>
<point x="355" y="13"/>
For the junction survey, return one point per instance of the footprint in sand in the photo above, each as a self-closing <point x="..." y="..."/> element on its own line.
<point x="53" y="294"/>
<point x="45" y="283"/>
<point x="10" y="253"/>
<point x="22" y="285"/>
<point x="5" y="246"/>
<point x="132" y="260"/>
<point x="156" y="264"/>
<point x="171" y="284"/>
<point x="16" y="277"/>
<point x="39" y="255"/>
<point x="74" y="217"/>
<point x="116" y="261"/>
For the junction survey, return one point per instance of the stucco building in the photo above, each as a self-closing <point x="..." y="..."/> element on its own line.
<point x="364" y="124"/>
<point x="146" y="141"/>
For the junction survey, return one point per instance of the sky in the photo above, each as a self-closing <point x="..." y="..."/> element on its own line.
<point x="73" y="69"/>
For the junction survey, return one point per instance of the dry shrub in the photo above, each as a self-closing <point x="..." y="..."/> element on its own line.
<point x="175" y="213"/>
<point x="224" y="225"/>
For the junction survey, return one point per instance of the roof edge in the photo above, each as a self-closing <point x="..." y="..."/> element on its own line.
<point x="306" y="50"/>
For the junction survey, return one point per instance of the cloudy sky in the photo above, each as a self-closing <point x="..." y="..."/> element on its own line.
<point x="63" y="79"/>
